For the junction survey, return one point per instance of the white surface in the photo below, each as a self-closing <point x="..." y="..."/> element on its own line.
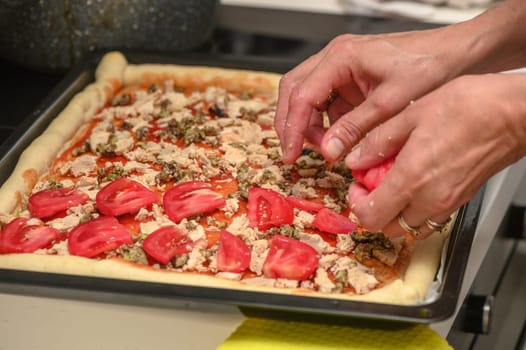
<point x="520" y="196"/>
<point x="37" y="323"/>
<point x="500" y="192"/>
<point x="401" y="9"/>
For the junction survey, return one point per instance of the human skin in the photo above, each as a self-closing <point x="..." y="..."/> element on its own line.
<point x="421" y="95"/>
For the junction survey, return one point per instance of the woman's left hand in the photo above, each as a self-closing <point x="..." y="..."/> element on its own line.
<point x="448" y="142"/>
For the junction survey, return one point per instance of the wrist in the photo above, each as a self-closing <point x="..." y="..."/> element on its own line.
<point x="516" y="108"/>
<point x="491" y="42"/>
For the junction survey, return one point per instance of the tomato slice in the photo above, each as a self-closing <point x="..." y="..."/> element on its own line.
<point x="19" y="237"/>
<point x="371" y="178"/>
<point x="49" y="202"/>
<point x="166" y="243"/>
<point x="329" y="221"/>
<point x="290" y="259"/>
<point x="191" y="198"/>
<point x="267" y="208"/>
<point x="124" y="196"/>
<point x="233" y="254"/>
<point x="304" y="204"/>
<point x="97" y="236"/>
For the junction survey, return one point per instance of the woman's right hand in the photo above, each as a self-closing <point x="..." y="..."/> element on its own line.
<point x="374" y="78"/>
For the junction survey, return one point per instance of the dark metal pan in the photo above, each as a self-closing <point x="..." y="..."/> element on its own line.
<point x="252" y="303"/>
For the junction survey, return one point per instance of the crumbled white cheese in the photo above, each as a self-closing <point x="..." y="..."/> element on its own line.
<point x="232" y="276"/>
<point x="177" y="100"/>
<point x="307" y="284"/>
<point x="100" y="134"/>
<point x="359" y="276"/>
<point x="196" y="260"/>
<point x="133" y="165"/>
<point x="327" y="261"/>
<point x="197" y="232"/>
<point x="344" y="263"/>
<point x="269" y="175"/>
<point x="362" y="280"/>
<point x="303" y="218"/>
<point x="234" y="156"/>
<point x="137" y="123"/>
<point x="67" y="183"/>
<point x="331" y="203"/>
<point x="304" y="189"/>
<point x="216" y="95"/>
<point x="344" y="244"/>
<point x="170" y="153"/>
<point x="235" y="107"/>
<point x="316" y="242"/>
<point x="87" y="183"/>
<point x="149" y="226"/>
<point x="322" y="280"/>
<point x="145" y="107"/>
<point x="60" y="248"/>
<point x="65" y="223"/>
<point x="34" y="221"/>
<point x="119" y="112"/>
<point x="83" y="209"/>
<point x="231" y="207"/>
<point x="259" y="252"/>
<point x="286" y="283"/>
<point x="266" y="119"/>
<point x="239" y="227"/>
<point x="259" y="281"/>
<point x="147" y="178"/>
<point x="83" y="165"/>
<point x="143" y="214"/>
<point x="147" y="154"/>
<point x="244" y="131"/>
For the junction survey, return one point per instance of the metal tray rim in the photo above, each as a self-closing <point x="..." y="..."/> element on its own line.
<point x="250" y="302"/>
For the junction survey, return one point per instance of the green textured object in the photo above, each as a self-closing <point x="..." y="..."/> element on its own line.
<point x="265" y="334"/>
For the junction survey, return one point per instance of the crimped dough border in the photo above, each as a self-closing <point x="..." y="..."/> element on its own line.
<point x="113" y="73"/>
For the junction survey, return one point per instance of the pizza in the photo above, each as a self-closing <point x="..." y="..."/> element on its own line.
<point x="173" y="174"/>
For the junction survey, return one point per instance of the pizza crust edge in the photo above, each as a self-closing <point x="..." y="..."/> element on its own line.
<point x="39" y="155"/>
<point x="408" y="291"/>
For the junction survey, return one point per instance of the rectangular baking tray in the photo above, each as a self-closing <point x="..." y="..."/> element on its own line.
<point x="261" y="304"/>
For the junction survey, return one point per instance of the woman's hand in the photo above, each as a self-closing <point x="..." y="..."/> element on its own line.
<point x="449" y="143"/>
<point x="374" y="77"/>
<point x="397" y="93"/>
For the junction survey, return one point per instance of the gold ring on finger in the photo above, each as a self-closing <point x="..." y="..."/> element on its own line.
<point x="435" y="226"/>
<point x="414" y="231"/>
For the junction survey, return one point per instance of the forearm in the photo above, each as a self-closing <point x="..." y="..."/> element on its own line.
<point x="492" y="42"/>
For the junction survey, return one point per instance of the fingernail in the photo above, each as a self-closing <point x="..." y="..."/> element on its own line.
<point x="353" y="157"/>
<point x="335" y="148"/>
